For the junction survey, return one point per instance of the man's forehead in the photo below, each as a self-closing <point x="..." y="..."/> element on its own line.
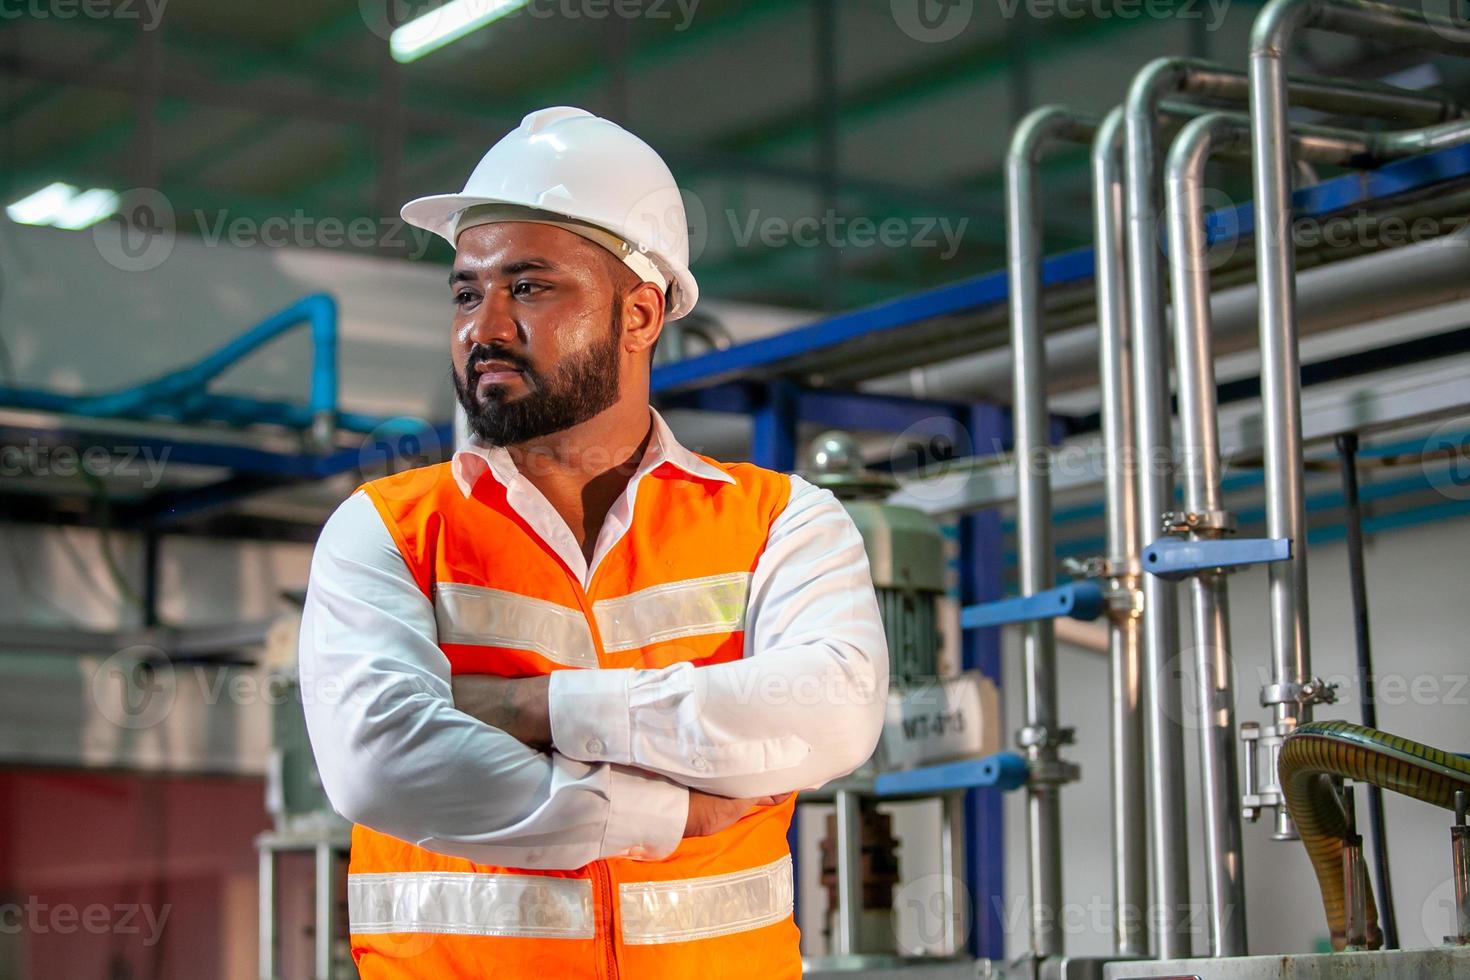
<point x="488" y="246"/>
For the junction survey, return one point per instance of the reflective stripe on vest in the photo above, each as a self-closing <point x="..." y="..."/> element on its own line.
<point x="469" y="904"/>
<point x="703" y="908"/>
<point x="542" y="907"/>
<point x="475" y="615"/>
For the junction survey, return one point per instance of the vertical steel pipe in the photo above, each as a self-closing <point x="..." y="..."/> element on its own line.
<point x="1158" y="80"/>
<point x="1200" y="458"/>
<point x="1164" y="738"/>
<point x="849" y="848"/>
<point x="1042" y="734"/>
<point x="1288" y="694"/>
<point x="1120" y="494"/>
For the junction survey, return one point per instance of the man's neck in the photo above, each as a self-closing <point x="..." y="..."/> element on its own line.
<point x="581" y="471"/>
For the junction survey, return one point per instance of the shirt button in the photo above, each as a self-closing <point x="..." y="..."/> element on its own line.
<point x="594" y="745"/>
<point x="698" y="762"/>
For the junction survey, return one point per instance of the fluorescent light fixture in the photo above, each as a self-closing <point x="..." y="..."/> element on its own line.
<point x="61" y="205"/>
<point x="445" y="25"/>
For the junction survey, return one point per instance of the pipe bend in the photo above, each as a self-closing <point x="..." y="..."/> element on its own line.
<point x="1317" y="750"/>
<point x="1277" y="22"/>
<point x="1047" y="124"/>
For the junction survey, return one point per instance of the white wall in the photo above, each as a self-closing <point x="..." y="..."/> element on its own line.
<point x="1420" y="616"/>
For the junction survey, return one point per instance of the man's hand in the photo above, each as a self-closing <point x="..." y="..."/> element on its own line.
<point x="712" y="814"/>
<point x="517" y="706"/>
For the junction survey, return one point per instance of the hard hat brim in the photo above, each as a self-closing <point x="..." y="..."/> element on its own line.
<point x="439" y="213"/>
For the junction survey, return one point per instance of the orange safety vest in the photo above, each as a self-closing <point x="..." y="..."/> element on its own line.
<point x="673" y="589"/>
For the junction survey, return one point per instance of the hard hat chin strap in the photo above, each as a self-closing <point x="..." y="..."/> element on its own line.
<point x="641" y="263"/>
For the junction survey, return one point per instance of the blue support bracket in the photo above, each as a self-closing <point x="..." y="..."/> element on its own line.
<point x="1004" y="771"/>
<point x="1177" y="558"/>
<point x="1079" y="600"/>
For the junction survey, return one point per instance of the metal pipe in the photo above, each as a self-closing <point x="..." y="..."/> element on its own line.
<point x="1333" y="295"/>
<point x="1347" y="455"/>
<point x="1199" y="450"/>
<point x="1164" y="743"/>
<point x="1120" y="494"/>
<point x="1201" y="471"/>
<point x="1163" y="78"/>
<point x="849" y="848"/>
<point x="1354" y="881"/>
<point x="1042" y="734"/>
<point x="1291" y="692"/>
<point x="1460" y="857"/>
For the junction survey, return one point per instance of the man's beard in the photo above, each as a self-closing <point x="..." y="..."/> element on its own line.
<point x="582" y="386"/>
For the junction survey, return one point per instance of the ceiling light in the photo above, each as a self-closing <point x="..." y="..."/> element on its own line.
<point x="60" y="205"/>
<point x="446" y="24"/>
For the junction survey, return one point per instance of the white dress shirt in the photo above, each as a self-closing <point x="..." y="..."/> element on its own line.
<point x="804" y="705"/>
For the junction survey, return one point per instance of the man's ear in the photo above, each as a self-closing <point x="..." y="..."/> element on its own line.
<point x="643" y="317"/>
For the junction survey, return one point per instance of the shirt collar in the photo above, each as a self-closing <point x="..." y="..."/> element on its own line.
<point x="471" y="462"/>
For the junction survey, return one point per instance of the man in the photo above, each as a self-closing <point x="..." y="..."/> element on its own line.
<point x="582" y="669"/>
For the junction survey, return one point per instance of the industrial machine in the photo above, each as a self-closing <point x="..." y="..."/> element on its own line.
<point x="940" y="737"/>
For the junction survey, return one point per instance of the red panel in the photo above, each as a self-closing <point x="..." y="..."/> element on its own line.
<point x="111" y="875"/>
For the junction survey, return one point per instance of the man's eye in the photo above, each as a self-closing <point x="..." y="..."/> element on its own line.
<point x="525" y="288"/>
<point x="464" y="297"/>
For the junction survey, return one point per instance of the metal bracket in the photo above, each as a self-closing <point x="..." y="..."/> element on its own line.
<point x="1079" y="600"/>
<point x="1314" y="691"/>
<point x="1176" y="558"/>
<point x="1204" y="522"/>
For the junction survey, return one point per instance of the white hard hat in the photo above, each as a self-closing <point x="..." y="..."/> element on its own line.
<point x="567" y="163"/>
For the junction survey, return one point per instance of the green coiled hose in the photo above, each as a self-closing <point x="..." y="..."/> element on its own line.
<point x="1319" y="750"/>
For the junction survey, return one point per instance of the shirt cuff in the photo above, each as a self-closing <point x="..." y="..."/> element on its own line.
<point x="590" y="715"/>
<point x="645" y="816"/>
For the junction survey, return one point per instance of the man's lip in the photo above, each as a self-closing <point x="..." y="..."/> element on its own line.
<point x="496" y="367"/>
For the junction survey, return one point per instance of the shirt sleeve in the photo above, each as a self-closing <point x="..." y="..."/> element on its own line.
<point x="396" y="756"/>
<point x="804" y="706"/>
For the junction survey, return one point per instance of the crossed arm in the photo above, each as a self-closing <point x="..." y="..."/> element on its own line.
<point x="561" y="770"/>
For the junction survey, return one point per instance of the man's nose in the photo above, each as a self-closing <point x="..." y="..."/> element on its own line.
<point x="493" y="322"/>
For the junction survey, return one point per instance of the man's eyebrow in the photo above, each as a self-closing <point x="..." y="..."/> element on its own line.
<point x="527" y="264"/>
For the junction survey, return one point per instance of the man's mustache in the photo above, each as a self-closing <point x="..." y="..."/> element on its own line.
<point x="481" y="353"/>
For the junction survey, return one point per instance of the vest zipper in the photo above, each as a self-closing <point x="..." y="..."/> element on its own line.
<point x="604" y="890"/>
